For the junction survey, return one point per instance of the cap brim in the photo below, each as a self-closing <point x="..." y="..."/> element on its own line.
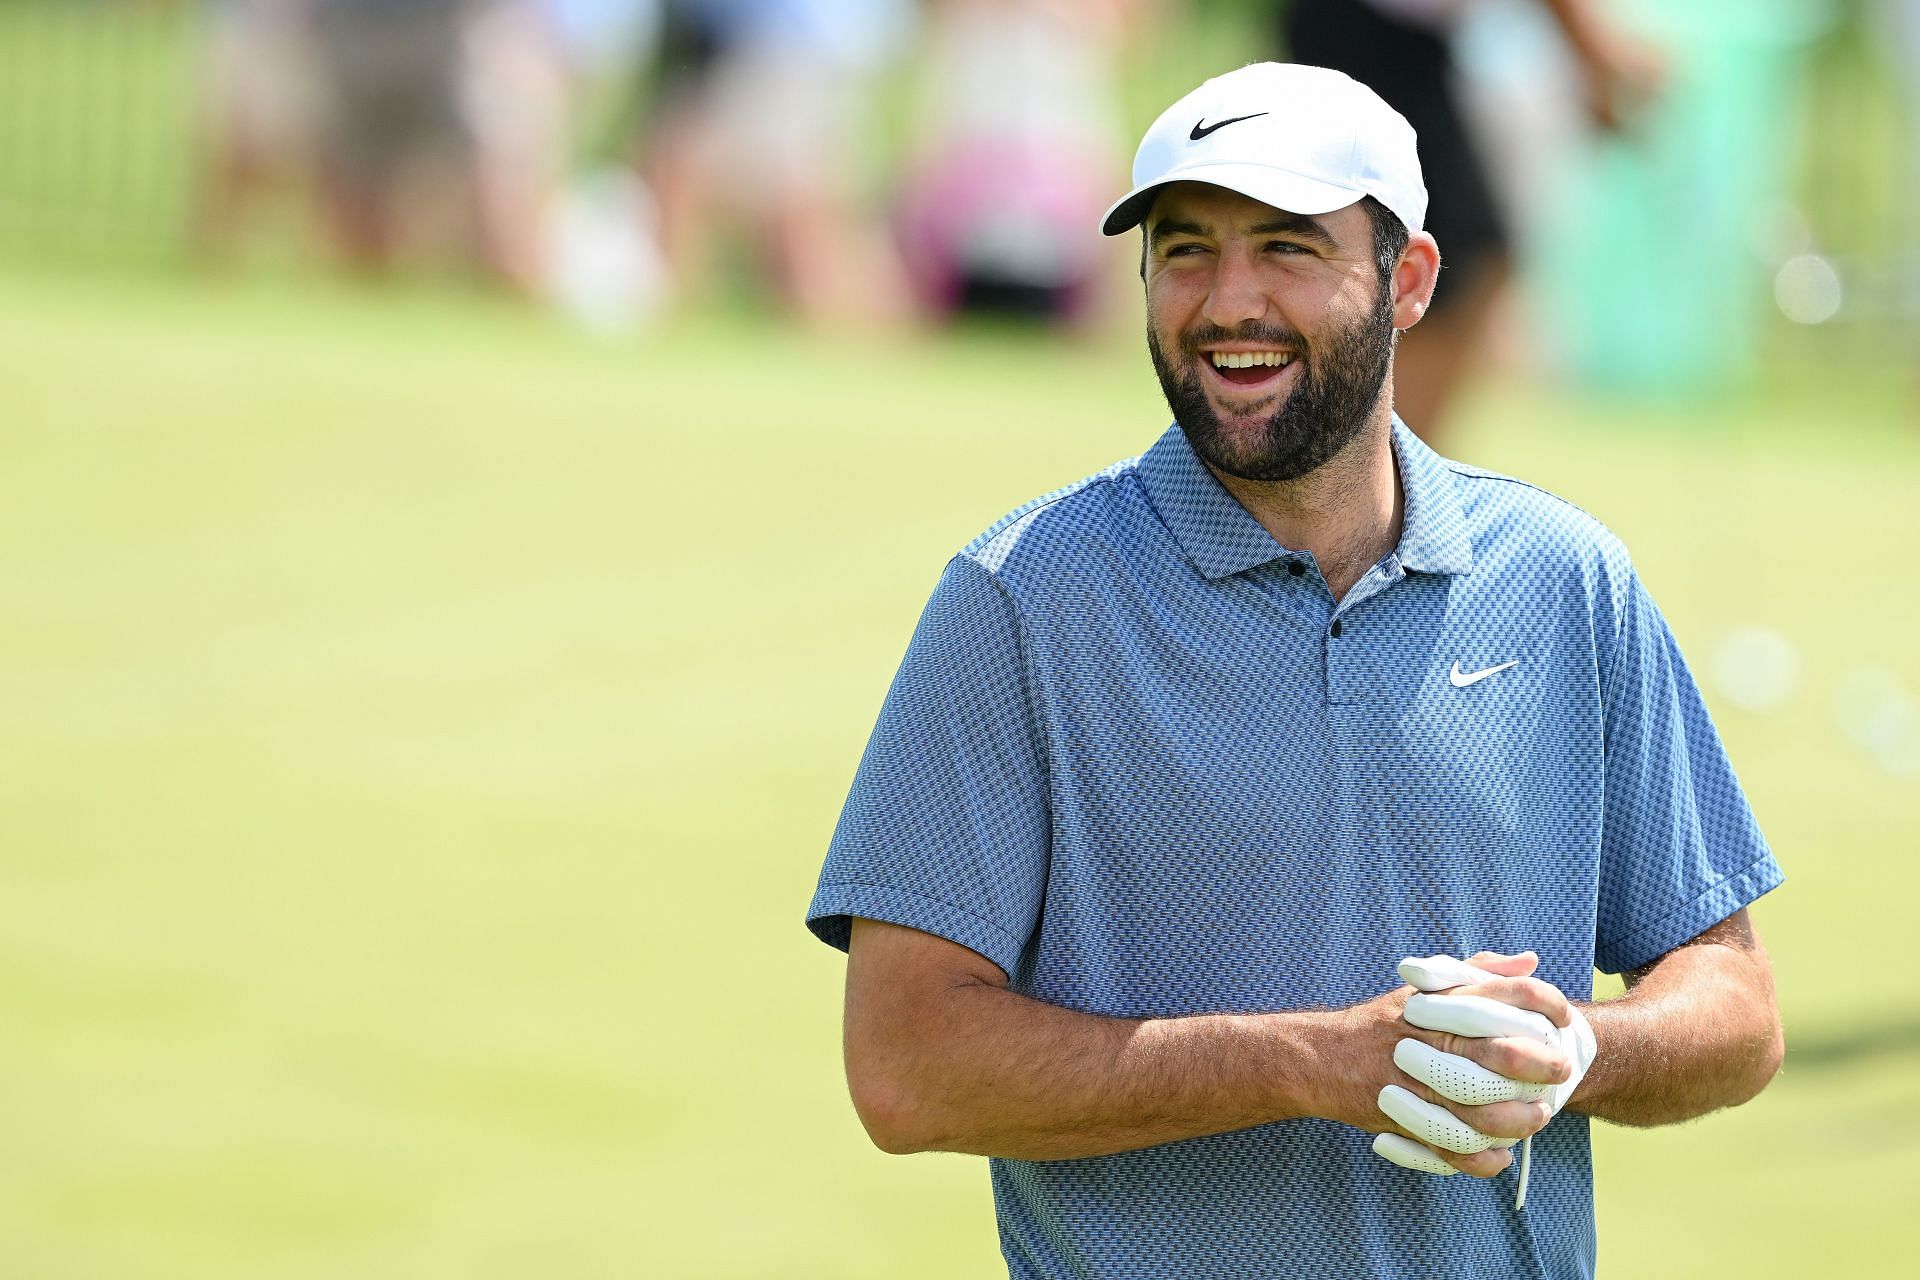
<point x="1268" y="185"/>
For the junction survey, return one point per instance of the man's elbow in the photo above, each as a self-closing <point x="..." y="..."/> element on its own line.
<point x="1767" y="1061"/>
<point x="1753" y="1070"/>
<point x="891" y="1110"/>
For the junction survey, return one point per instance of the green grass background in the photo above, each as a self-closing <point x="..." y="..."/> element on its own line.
<point x="421" y="728"/>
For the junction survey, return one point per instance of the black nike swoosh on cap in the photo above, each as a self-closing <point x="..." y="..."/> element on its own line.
<point x="1201" y="129"/>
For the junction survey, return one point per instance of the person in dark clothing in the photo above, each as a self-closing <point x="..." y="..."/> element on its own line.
<point x="1402" y="50"/>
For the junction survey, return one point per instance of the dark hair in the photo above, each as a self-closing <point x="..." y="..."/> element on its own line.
<point x="1390" y="238"/>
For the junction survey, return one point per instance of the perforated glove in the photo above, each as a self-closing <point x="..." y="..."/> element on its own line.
<point x="1462" y="1080"/>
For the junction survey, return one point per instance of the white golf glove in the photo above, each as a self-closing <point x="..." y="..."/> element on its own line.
<point x="1462" y="1080"/>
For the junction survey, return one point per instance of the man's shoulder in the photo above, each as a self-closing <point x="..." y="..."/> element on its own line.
<point x="1517" y="517"/>
<point x="1044" y="535"/>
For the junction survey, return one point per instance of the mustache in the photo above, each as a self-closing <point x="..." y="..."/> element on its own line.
<point x="1263" y="334"/>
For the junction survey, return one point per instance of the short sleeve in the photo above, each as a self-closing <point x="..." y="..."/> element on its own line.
<point x="1680" y="849"/>
<point x="946" y="828"/>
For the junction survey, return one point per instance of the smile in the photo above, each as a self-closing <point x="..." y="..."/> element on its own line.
<point x="1246" y="370"/>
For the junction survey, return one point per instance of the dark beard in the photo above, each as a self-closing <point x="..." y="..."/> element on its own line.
<point x="1333" y="397"/>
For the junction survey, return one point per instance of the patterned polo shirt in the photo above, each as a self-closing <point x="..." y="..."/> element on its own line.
<point x="1139" y="758"/>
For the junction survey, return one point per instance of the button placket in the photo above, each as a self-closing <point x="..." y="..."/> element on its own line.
<point x="1345" y="661"/>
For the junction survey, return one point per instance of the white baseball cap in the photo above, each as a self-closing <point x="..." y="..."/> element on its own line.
<point x="1303" y="139"/>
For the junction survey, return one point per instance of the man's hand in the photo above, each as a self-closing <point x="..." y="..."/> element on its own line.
<point x="1461" y="1080"/>
<point x="1372" y="1031"/>
<point x="942" y="1055"/>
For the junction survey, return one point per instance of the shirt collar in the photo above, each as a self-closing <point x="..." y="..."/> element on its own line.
<point x="1434" y="537"/>
<point x="1222" y="538"/>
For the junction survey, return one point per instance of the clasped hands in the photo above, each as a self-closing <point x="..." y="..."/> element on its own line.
<point x="1478" y="1068"/>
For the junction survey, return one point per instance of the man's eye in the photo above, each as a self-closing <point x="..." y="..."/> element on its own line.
<point x="1286" y="246"/>
<point x="1184" y="250"/>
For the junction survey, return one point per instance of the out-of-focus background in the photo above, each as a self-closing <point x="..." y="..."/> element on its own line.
<point x="471" y="467"/>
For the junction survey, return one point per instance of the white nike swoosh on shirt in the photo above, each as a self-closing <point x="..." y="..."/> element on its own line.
<point x="1462" y="681"/>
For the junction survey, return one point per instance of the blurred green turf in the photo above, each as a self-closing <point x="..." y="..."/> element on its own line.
<point x="97" y="105"/>
<point x="420" y="728"/>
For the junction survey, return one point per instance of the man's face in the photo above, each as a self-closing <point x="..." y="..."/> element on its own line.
<point x="1272" y="333"/>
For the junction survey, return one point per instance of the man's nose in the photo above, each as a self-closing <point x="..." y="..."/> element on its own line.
<point x="1236" y="296"/>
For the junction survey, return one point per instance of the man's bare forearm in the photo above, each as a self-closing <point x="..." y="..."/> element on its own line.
<point x="972" y="1066"/>
<point x="1697" y="1031"/>
<point x="1019" y="1078"/>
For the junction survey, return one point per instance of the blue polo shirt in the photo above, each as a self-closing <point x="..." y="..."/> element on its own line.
<point x="1139" y="758"/>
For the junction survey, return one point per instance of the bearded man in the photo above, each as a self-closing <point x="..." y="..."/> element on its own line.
<point x="1184" y="760"/>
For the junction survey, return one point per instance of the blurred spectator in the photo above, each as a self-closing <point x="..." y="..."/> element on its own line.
<point x="762" y="110"/>
<point x="603" y="262"/>
<point x="602" y="34"/>
<point x="1017" y="146"/>
<point x="1401" y="48"/>
<point x="1899" y="22"/>
<point x="466" y="94"/>
<point x="257" y="113"/>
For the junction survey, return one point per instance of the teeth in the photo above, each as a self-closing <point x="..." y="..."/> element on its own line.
<point x="1248" y="359"/>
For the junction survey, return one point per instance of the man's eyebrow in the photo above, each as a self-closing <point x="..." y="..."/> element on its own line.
<point x="1294" y="224"/>
<point x="1298" y="224"/>
<point x="1170" y="227"/>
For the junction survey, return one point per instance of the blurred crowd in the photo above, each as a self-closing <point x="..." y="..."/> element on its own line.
<point x="771" y="139"/>
<point x="887" y="161"/>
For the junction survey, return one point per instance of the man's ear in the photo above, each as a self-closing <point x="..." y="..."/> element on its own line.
<point x="1413" y="279"/>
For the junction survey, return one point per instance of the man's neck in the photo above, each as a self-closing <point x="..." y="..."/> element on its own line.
<point x="1346" y="512"/>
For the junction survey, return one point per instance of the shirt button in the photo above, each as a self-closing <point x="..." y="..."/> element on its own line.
<point x="1334" y="630"/>
<point x="1295" y="568"/>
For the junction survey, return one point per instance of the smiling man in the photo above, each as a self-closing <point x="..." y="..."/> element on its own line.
<point x="1185" y="759"/>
